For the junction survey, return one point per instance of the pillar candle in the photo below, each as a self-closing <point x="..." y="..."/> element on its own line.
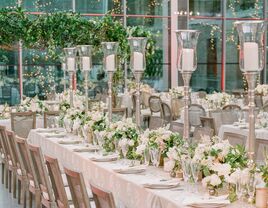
<point x="138" y="61"/>
<point x="85" y="63"/>
<point x="187" y="59"/>
<point x="63" y="66"/>
<point x="71" y="64"/>
<point x="110" y="63"/>
<point x="251" y="56"/>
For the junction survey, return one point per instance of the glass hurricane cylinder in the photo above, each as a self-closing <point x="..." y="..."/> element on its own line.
<point x="64" y="68"/>
<point x="70" y="54"/>
<point x="251" y="62"/>
<point x="187" y="63"/>
<point x="138" y="65"/>
<point x="85" y="55"/>
<point x="109" y="62"/>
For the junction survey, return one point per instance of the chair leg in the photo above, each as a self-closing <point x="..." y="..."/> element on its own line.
<point x="30" y="199"/>
<point x="14" y="184"/>
<point x="3" y="172"/>
<point x="9" y="180"/>
<point x="38" y="199"/>
<point x="6" y="176"/>
<point x="19" y="192"/>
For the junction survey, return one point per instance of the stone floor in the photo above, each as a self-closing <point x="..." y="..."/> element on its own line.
<point x="6" y="199"/>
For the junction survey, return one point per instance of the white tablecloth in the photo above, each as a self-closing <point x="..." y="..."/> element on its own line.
<point x="260" y="133"/>
<point x="127" y="189"/>
<point x="7" y="123"/>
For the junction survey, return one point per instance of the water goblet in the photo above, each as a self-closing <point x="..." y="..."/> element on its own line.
<point x="239" y="190"/>
<point x="155" y="154"/>
<point x="146" y="157"/>
<point x="195" y="170"/>
<point x="251" y="188"/>
<point x="186" y="169"/>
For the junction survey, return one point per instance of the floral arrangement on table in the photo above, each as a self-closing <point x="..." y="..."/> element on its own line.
<point x="162" y="139"/>
<point x="5" y="111"/>
<point x="262" y="89"/>
<point x="218" y="100"/>
<point x="132" y="86"/>
<point x="262" y="119"/>
<point x="32" y="104"/>
<point x="221" y="162"/>
<point x="121" y="136"/>
<point x="78" y="100"/>
<point x="177" y="92"/>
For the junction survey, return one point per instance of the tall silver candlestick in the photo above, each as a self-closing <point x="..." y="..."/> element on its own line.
<point x="71" y="87"/>
<point x="109" y="60"/>
<point x="187" y="63"/>
<point x="251" y="62"/>
<point x="138" y="65"/>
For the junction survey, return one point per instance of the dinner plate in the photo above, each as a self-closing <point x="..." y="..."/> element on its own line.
<point x="104" y="158"/>
<point x="85" y="149"/>
<point x="130" y="170"/>
<point x="208" y="205"/>
<point x="69" y="142"/>
<point x="161" y="186"/>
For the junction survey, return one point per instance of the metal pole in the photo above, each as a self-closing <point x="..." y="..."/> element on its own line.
<point x="251" y="79"/>
<point x="86" y="89"/>
<point x="138" y="75"/>
<point x="110" y="82"/>
<point x="186" y="126"/>
<point x="125" y="25"/>
<point x="20" y="71"/>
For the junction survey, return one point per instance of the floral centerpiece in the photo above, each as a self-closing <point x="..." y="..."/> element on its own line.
<point x="220" y="162"/>
<point x="262" y="119"/>
<point x="122" y="136"/>
<point x="4" y="111"/>
<point x="262" y="89"/>
<point x="162" y="139"/>
<point x="32" y="104"/>
<point x="177" y="92"/>
<point x="218" y="100"/>
<point x="132" y="86"/>
<point x="78" y="100"/>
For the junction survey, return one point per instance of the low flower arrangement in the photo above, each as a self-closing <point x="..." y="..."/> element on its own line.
<point x="262" y="89"/>
<point x="221" y="162"/>
<point x="121" y="136"/>
<point x="5" y="111"/>
<point x="32" y="104"/>
<point x="262" y="119"/>
<point x="78" y="100"/>
<point x="177" y="92"/>
<point x="132" y="86"/>
<point x="218" y="100"/>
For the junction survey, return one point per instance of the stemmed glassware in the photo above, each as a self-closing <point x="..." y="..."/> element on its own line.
<point x="146" y="155"/>
<point x="195" y="170"/>
<point x="240" y="187"/>
<point x="186" y="169"/>
<point x="155" y="154"/>
<point x="251" y="188"/>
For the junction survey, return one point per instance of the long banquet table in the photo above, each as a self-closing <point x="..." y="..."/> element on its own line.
<point x="127" y="189"/>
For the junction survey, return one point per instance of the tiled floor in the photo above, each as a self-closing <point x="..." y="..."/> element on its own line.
<point x="6" y="199"/>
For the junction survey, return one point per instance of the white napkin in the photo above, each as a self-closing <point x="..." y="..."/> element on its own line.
<point x="104" y="158"/>
<point x="161" y="184"/>
<point x="69" y="141"/>
<point x="206" y="200"/>
<point x="130" y="169"/>
<point x="55" y="135"/>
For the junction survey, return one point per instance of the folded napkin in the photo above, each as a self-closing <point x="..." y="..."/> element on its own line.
<point x="165" y="184"/>
<point x="105" y="158"/>
<point x="129" y="170"/>
<point x="42" y="130"/>
<point x="206" y="201"/>
<point x="55" y="135"/>
<point x="69" y="141"/>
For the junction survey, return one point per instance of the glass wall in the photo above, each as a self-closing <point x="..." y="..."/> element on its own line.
<point x="42" y="75"/>
<point x="218" y="70"/>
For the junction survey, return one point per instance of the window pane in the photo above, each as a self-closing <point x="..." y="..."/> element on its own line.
<point x="7" y="3"/>
<point x="209" y="51"/>
<point x="205" y="7"/>
<point x="147" y="7"/>
<point x="48" y="5"/>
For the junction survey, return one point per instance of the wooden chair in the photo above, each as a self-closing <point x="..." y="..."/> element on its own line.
<point x="176" y="127"/>
<point x="78" y="189"/>
<point x="195" y="111"/>
<point x="258" y="100"/>
<point x="49" y="118"/>
<point x="145" y="99"/>
<point x="57" y="182"/>
<point x="208" y="122"/>
<point x="102" y="199"/>
<point x="155" y="105"/>
<point x="202" y="131"/>
<point x="156" y="122"/>
<point x="42" y="178"/>
<point x="27" y="171"/>
<point x="22" y="123"/>
<point x="265" y="108"/>
<point x="231" y="107"/>
<point x="261" y="147"/>
<point x="217" y="116"/>
<point x="235" y="139"/>
<point x="8" y="166"/>
<point x="176" y="107"/>
<point x="166" y="113"/>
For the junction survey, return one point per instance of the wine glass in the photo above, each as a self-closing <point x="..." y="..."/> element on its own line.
<point x="146" y="155"/>
<point x="195" y="170"/>
<point x="155" y="154"/>
<point x="239" y="190"/>
<point x="251" y="188"/>
<point x="186" y="169"/>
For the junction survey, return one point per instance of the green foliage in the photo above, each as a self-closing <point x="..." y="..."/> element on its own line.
<point x="237" y="157"/>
